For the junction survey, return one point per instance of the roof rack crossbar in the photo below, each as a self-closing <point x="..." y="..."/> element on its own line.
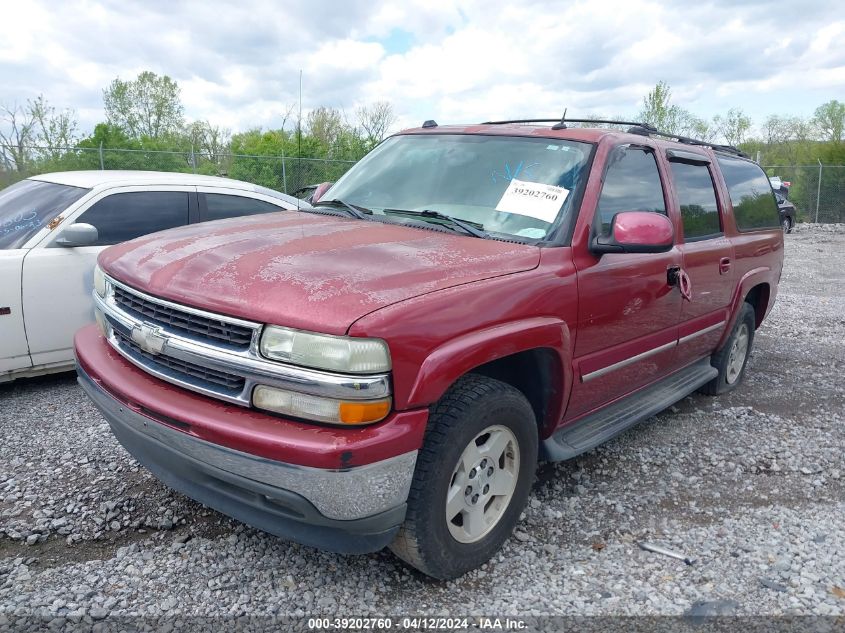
<point x="565" y="120"/>
<point x="653" y="131"/>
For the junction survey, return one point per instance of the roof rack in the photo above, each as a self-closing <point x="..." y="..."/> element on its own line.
<point x="637" y="127"/>
<point x="563" y="121"/>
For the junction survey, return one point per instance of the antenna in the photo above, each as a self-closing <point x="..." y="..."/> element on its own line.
<point x="299" y="121"/>
<point x="562" y="124"/>
<point x="299" y="131"/>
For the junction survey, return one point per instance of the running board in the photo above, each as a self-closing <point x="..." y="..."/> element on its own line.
<point x="599" y="427"/>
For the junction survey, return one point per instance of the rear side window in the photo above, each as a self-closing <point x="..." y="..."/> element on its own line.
<point x="632" y="183"/>
<point x="751" y="194"/>
<point x="125" y="216"/>
<point x="220" y="206"/>
<point x="697" y="197"/>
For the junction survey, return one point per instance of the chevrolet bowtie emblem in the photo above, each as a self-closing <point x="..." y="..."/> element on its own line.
<point x="149" y="338"/>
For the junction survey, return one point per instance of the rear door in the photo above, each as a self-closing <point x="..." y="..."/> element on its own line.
<point x="707" y="253"/>
<point x="217" y="204"/>
<point x="58" y="280"/>
<point x="627" y="311"/>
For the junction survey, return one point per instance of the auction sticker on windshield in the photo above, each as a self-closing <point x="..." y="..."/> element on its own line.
<point x="533" y="199"/>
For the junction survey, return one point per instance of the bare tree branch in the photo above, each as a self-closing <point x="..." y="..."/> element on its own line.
<point x="17" y="132"/>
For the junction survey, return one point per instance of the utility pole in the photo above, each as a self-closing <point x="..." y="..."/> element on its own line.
<point x="819" y="190"/>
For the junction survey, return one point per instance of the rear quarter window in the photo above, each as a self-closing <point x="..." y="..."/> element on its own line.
<point x="751" y="194"/>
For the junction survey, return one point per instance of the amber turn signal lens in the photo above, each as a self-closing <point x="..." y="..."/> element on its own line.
<point x="364" y="412"/>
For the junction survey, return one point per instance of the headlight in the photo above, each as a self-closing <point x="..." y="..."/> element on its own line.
<point x="101" y="322"/>
<point x="300" y="405"/>
<point x="322" y="351"/>
<point x="99" y="281"/>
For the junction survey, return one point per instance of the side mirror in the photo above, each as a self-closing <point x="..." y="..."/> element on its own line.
<point x="320" y="191"/>
<point x="79" y="234"/>
<point x="636" y="232"/>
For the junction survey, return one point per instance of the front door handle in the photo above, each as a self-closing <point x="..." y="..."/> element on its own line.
<point x="724" y="265"/>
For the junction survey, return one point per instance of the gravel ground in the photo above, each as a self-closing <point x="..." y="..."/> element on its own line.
<point x="750" y="485"/>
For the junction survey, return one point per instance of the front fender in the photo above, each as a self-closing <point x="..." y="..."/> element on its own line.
<point x="459" y="355"/>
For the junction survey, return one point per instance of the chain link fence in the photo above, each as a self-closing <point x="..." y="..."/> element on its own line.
<point x="282" y="173"/>
<point x="817" y="191"/>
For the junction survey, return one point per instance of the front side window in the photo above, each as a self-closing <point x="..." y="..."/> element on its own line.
<point x="751" y="194"/>
<point x="220" y="206"/>
<point x="697" y="198"/>
<point x="514" y="186"/>
<point x="29" y="205"/>
<point x="632" y="183"/>
<point x="125" y="216"/>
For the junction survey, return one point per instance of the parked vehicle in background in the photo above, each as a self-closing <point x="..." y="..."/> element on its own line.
<point x="780" y="186"/>
<point x="53" y="226"/>
<point x="312" y="193"/>
<point x="387" y="368"/>
<point x="787" y="213"/>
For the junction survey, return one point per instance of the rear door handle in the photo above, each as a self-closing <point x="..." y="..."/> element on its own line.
<point x="724" y="265"/>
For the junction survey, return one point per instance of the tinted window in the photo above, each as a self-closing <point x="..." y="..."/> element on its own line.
<point x="632" y="183"/>
<point x="220" y="206"/>
<point x="125" y="216"/>
<point x="699" y="209"/>
<point x="751" y="194"/>
<point x="27" y="206"/>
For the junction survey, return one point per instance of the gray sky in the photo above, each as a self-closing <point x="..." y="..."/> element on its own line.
<point x="238" y="62"/>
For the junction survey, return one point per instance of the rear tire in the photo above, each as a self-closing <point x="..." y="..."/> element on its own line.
<point x="472" y="480"/>
<point x="786" y="224"/>
<point x="732" y="359"/>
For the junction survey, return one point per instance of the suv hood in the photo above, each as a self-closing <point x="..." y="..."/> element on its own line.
<point x="307" y="271"/>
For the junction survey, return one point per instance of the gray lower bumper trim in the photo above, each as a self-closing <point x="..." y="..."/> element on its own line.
<point x="275" y="509"/>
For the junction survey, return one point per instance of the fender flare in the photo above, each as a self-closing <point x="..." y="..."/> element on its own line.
<point x="462" y="354"/>
<point x="753" y="277"/>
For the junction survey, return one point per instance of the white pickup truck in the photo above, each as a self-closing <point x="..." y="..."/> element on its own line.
<point x="52" y="227"/>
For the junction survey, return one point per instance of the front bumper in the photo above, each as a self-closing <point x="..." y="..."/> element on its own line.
<point x="349" y="510"/>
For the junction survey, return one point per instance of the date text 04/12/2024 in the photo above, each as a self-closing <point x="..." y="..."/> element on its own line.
<point x="411" y="623"/>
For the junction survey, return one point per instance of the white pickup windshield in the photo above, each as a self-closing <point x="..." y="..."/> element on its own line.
<point x="510" y="185"/>
<point x="28" y="205"/>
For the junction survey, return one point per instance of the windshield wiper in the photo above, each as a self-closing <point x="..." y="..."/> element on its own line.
<point x="356" y="211"/>
<point x="472" y="228"/>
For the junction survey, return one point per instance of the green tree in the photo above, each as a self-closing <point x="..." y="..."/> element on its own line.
<point x="149" y="106"/>
<point x="830" y="120"/>
<point x="56" y="129"/>
<point x="659" y="111"/>
<point x="375" y="120"/>
<point x="325" y="125"/>
<point x="733" y="126"/>
<point x="210" y="145"/>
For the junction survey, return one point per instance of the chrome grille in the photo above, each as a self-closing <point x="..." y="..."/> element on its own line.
<point x="199" y="326"/>
<point x="185" y="370"/>
<point x="197" y="350"/>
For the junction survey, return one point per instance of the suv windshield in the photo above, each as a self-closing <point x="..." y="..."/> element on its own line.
<point x="510" y="185"/>
<point x="28" y="205"/>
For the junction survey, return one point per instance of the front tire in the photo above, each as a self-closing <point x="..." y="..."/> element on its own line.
<point x="472" y="480"/>
<point x="786" y="224"/>
<point x="732" y="359"/>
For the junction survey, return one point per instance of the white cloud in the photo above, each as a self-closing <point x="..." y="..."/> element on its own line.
<point x="238" y="63"/>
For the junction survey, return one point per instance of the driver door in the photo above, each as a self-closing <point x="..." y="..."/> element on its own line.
<point x="627" y="311"/>
<point x="58" y="280"/>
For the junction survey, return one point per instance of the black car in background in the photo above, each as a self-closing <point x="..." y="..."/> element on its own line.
<point x="787" y="213"/>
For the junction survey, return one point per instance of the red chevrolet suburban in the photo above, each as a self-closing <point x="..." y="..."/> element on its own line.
<point x="387" y="368"/>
